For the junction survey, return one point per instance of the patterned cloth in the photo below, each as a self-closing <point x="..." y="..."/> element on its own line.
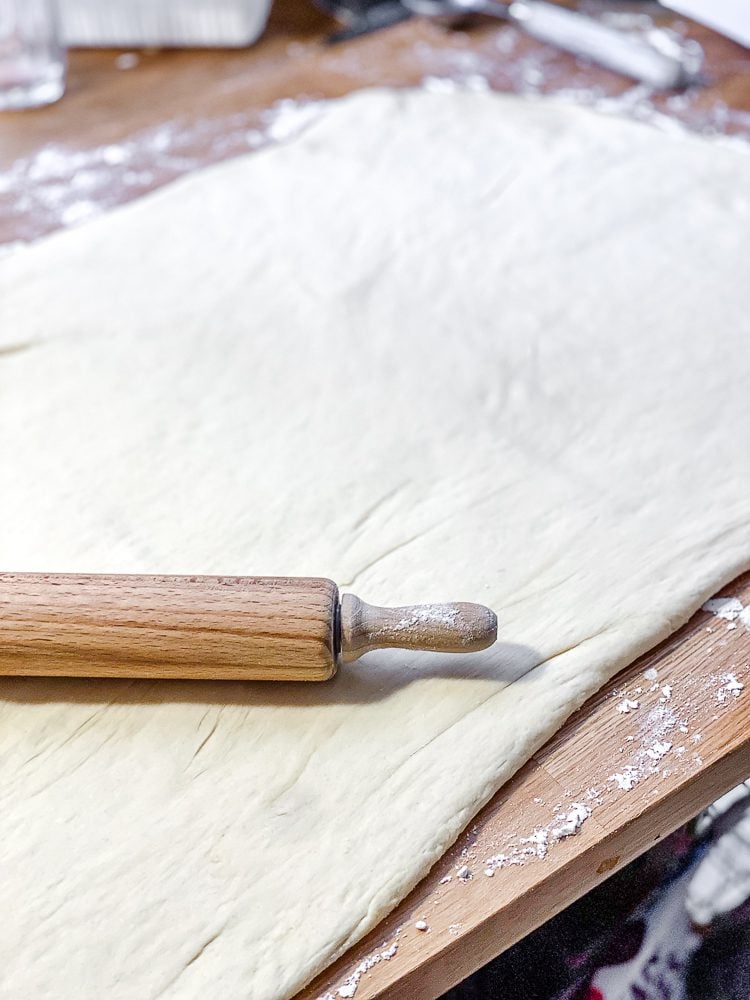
<point x="632" y="938"/>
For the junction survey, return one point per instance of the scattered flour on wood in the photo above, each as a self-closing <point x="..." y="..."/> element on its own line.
<point x="286" y="119"/>
<point x="61" y="185"/>
<point x="539" y="840"/>
<point x="627" y="705"/>
<point x="566" y="823"/>
<point x="731" y="610"/>
<point x="730" y="686"/>
<point x="728" y="608"/>
<point x="349" y="987"/>
<point x="127" y="60"/>
<point x="658" y="750"/>
<point x="626" y="779"/>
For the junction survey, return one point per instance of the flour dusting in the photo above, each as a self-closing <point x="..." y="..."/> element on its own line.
<point x="539" y="840"/>
<point x="518" y="851"/>
<point x="627" y="705"/>
<point x="626" y="779"/>
<point x="728" y="608"/>
<point x="349" y="987"/>
<point x="571" y="822"/>
<point x="658" y="750"/>
<point x="731" y="610"/>
<point x="730" y="686"/>
<point x="431" y="614"/>
<point x="60" y="186"/>
<point x="287" y="118"/>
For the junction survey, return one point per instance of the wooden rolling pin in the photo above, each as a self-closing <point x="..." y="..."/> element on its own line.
<point x="214" y="627"/>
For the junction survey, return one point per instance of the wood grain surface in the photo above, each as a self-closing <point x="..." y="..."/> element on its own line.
<point x="120" y="132"/>
<point x="173" y="627"/>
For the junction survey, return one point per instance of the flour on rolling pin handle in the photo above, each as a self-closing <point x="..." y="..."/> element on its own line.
<point x="454" y="628"/>
<point x="211" y="627"/>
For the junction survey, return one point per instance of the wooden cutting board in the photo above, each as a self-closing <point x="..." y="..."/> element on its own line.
<point x="132" y="122"/>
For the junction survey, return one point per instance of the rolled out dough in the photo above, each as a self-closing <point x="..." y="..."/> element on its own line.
<point x="440" y="347"/>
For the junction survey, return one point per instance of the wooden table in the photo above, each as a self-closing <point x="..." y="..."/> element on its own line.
<point x="123" y="129"/>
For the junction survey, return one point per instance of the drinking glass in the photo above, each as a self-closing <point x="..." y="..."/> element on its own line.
<point x="32" y="60"/>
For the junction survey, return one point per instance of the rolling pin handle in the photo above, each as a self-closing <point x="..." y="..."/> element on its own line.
<point x="442" y="628"/>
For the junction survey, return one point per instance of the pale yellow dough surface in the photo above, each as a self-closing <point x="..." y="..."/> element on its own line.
<point x="454" y="346"/>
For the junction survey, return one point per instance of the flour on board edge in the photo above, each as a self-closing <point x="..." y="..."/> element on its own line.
<point x="730" y="609"/>
<point x="349" y="987"/>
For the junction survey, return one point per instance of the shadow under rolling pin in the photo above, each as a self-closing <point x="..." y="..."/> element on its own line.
<point x="212" y="627"/>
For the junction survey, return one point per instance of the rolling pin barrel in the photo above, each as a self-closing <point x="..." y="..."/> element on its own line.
<point x="217" y="627"/>
<point x="211" y="627"/>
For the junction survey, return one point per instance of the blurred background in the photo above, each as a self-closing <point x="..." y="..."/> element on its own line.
<point x="245" y="72"/>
